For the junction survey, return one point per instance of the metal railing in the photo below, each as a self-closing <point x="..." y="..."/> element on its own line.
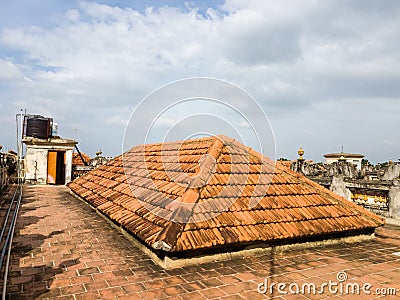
<point x="7" y="235"/>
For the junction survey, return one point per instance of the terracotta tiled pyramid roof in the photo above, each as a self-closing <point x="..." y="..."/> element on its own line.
<point x="214" y="191"/>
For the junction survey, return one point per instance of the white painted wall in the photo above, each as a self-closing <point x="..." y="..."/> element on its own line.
<point x="36" y="165"/>
<point x="37" y="155"/>
<point x="68" y="165"/>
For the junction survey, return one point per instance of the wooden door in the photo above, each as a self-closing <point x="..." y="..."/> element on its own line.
<point x="52" y="167"/>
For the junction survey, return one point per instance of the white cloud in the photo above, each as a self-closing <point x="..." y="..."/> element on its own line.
<point x="116" y="120"/>
<point x="293" y="56"/>
<point x="10" y="72"/>
<point x="391" y="142"/>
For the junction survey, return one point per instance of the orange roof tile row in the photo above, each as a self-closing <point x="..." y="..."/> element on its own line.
<point x="200" y="193"/>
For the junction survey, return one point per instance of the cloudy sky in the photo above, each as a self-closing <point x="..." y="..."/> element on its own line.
<point x="326" y="73"/>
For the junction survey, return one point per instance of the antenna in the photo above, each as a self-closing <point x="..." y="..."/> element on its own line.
<point x="342" y="149"/>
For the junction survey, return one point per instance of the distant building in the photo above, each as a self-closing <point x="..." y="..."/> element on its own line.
<point x="80" y="167"/>
<point x="374" y="187"/>
<point x="353" y="158"/>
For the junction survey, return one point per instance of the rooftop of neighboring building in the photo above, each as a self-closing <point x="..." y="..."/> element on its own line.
<point x="344" y="155"/>
<point x="79" y="159"/>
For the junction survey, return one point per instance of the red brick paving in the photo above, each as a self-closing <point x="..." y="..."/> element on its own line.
<point x="64" y="250"/>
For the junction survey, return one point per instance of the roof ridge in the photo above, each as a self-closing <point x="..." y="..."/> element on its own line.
<point x="170" y="234"/>
<point x="249" y="150"/>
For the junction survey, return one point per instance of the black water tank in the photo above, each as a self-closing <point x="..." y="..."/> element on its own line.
<point x="38" y="127"/>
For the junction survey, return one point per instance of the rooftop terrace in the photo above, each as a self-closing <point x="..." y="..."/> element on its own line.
<point x="63" y="249"/>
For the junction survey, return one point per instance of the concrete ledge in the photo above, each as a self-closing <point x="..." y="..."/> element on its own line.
<point x="170" y="263"/>
<point x="392" y="221"/>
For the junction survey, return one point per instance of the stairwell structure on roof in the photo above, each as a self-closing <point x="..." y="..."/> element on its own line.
<point x="215" y="195"/>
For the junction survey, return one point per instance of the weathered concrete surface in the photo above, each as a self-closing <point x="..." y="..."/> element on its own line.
<point x="338" y="186"/>
<point x="65" y="250"/>
<point x="394" y="200"/>
<point x="36" y="165"/>
<point x="392" y="172"/>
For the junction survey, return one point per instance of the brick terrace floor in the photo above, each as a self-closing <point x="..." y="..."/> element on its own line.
<point x="63" y="249"/>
